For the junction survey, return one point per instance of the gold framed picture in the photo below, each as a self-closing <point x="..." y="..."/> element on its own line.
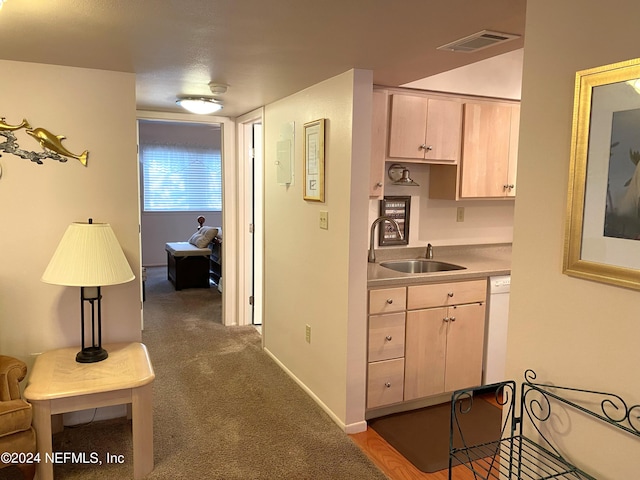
<point x="602" y="238"/>
<point x="314" y="161"/>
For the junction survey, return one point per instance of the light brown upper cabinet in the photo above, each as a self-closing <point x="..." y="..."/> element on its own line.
<point x="489" y="157"/>
<point x="379" y="113"/>
<point x="425" y="129"/>
<point x="489" y="150"/>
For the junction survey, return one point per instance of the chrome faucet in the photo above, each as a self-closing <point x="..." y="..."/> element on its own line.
<point x="372" y="255"/>
<point x="429" y="252"/>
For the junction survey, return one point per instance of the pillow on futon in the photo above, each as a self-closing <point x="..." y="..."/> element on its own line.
<point x="203" y="237"/>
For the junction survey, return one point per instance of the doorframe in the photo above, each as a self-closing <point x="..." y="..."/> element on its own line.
<point x="250" y="267"/>
<point x="229" y="213"/>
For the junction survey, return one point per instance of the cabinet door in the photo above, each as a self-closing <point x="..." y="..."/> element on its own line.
<point x="513" y="150"/>
<point x="465" y="346"/>
<point x="385" y="382"/>
<point x="425" y="353"/>
<point x="407" y="126"/>
<point x="387" y="300"/>
<point x="386" y="336"/>
<point x="443" y="130"/>
<point x="485" y="150"/>
<point x="378" y="143"/>
<point x="445" y="294"/>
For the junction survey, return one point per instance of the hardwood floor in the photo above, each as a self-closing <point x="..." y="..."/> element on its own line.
<point x="395" y="466"/>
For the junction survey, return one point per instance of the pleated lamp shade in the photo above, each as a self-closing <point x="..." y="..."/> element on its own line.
<point x="88" y="255"/>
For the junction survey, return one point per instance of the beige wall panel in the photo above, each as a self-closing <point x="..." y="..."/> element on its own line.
<point x="95" y="110"/>
<point x="571" y="331"/>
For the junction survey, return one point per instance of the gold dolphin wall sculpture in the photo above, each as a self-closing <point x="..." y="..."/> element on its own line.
<point x="10" y="128"/>
<point x="48" y="141"/>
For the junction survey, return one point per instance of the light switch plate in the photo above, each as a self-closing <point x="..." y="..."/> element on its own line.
<point x="324" y="220"/>
<point x="460" y="214"/>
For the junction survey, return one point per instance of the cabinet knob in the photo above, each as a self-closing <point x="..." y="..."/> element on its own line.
<point x="426" y="147"/>
<point x="445" y="319"/>
<point x="389" y="301"/>
<point x="379" y="184"/>
<point x="453" y="319"/>
<point x="450" y="294"/>
<point x="511" y="186"/>
<point x="388" y="338"/>
<point x="387" y="384"/>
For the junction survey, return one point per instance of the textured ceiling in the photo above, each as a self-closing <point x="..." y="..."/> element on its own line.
<point x="263" y="49"/>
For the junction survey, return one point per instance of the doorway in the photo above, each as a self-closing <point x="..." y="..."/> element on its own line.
<point x="160" y="227"/>
<point x="250" y="182"/>
<point x="181" y="179"/>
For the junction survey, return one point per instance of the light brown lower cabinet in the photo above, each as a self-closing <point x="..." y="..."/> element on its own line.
<point x="424" y="340"/>
<point x="385" y="382"/>
<point x="444" y="349"/>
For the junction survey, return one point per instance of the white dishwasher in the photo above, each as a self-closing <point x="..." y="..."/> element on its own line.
<point x="495" y="352"/>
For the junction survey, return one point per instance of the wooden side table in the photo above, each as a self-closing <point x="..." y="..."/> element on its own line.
<point x="58" y="384"/>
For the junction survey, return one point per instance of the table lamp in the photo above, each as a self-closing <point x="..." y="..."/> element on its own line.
<point x="89" y="256"/>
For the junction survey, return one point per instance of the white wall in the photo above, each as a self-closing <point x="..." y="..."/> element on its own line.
<point x="160" y="228"/>
<point x="318" y="277"/>
<point x="499" y="76"/>
<point x="95" y="110"/>
<point x="570" y="331"/>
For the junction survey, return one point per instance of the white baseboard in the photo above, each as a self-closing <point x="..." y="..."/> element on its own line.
<point x="351" y="428"/>
<point x="356" y="427"/>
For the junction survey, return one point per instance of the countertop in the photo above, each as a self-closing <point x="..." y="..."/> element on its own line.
<point x="480" y="261"/>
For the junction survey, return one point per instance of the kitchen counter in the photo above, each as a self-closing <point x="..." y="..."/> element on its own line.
<point x="481" y="261"/>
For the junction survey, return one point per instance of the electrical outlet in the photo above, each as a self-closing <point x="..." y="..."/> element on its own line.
<point x="324" y="220"/>
<point x="307" y="333"/>
<point x="460" y="214"/>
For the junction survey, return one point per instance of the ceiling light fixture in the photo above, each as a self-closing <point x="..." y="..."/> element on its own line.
<point x="200" y="105"/>
<point x="2" y="3"/>
<point x="203" y="105"/>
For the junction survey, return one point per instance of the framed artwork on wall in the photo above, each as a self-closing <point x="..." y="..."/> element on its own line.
<point x="314" y="161"/>
<point x="602" y="239"/>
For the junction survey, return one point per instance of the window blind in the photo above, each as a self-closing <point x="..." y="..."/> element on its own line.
<point x="178" y="178"/>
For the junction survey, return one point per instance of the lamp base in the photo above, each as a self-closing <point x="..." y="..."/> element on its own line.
<point x="91" y="355"/>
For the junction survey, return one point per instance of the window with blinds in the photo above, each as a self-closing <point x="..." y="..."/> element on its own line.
<point x="181" y="170"/>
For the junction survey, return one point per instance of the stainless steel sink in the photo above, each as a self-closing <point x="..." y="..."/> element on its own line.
<point x="420" y="266"/>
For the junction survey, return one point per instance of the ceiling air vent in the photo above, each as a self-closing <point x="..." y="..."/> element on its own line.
<point x="478" y="41"/>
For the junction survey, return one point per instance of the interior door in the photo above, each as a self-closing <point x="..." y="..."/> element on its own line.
<point x="256" y="224"/>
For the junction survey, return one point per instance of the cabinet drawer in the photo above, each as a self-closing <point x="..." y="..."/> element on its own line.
<point x="386" y="336"/>
<point x="385" y="382"/>
<point x="442" y="294"/>
<point x="387" y="300"/>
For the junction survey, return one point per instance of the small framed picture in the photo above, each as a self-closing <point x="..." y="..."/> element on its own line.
<point x="397" y="208"/>
<point x="314" y="161"/>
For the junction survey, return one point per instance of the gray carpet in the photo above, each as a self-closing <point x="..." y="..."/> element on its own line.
<point x="222" y="408"/>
